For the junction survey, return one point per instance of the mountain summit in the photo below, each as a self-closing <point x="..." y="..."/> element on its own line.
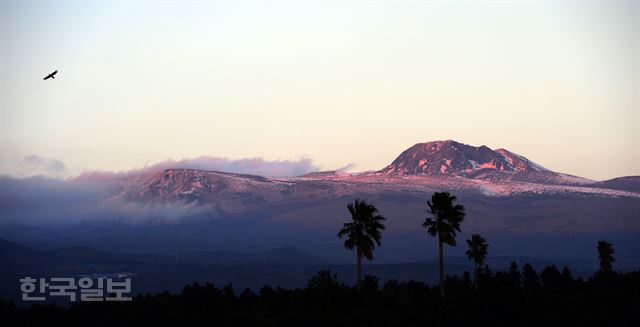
<point x="424" y="167"/>
<point x="451" y="158"/>
<point x="454" y="158"/>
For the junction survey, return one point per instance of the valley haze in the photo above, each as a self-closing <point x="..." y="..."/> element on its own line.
<point x="320" y="163"/>
<point x="522" y="207"/>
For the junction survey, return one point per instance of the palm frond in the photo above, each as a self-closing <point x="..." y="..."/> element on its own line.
<point x="445" y="217"/>
<point x="365" y="229"/>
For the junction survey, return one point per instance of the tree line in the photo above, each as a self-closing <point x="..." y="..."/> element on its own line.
<point x="519" y="296"/>
<point x="515" y="297"/>
<point x="364" y="232"/>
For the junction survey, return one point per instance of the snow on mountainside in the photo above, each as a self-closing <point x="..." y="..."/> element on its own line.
<point x="456" y="159"/>
<point x="334" y="174"/>
<point x="450" y="157"/>
<point x="627" y="183"/>
<point x="423" y="168"/>
<point x="225" y="192"/>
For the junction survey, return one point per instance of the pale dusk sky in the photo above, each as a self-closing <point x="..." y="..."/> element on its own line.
<point x="337" y="82"/>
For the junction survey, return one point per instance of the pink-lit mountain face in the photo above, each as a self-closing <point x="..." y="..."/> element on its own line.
<point x="505" y="195"/>
<point x="450" y="158"/>
<point x="222" y="192"/>
<point x="423" y="168"/>
<point x="453" y="158"/>
<point x="504" y="190"/>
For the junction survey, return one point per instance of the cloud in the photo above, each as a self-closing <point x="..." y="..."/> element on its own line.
<point x="253" y="166"/>
<point x="348" y="167"/>
<point x="54" y="202"/>
<point x="43" y="199"/>
<point x="35" y="165"/>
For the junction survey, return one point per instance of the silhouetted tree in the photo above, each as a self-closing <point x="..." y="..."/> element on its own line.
<point x="515" y="275"/>
<point x="477" y="251"/>
<point x="324" y="287"/>
<point x="605" y="252"/>
<point x="370" y="283"/>
<point x="566" y="278"/>
<point x="444" y="222"/>
<point x="267" y="292"/>
<point x="391" y="285"/>
<point x="485" y="274"/>
<point x="327" y="302"/>
<point x="550" y="278"/>
<point x="530" y="279"/>
<point x="324" y="280"/>
<point x="466" y="279"/>
<point x="363" y="232"/>
<point x="228" y="294"/>
<point x="247" y="296"/>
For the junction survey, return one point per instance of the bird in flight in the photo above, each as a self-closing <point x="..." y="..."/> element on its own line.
<point x="51" y="75"/>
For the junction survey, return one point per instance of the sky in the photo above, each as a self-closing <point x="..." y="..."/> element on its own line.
<point x="326" y="84"/>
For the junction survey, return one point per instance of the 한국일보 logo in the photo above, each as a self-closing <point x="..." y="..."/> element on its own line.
<point x="76" y="289"/>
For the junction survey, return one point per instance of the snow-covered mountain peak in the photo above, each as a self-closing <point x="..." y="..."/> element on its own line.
<point x="454" y="158"/>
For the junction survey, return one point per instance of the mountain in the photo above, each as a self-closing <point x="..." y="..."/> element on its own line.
<point x="519" y="205"/>
<point x="152" y="272"/>
<point x="201" y="187"/>
<point x="424" y="167"/>
<point x="627" y="183"/>
<point x="281" y="255"/>
<point x="85" y="255"/>
<point x="450" y="158"/>
<point x="15" y="254"/>
<point x="453" y="158"/>
<point x="15" y="257"/>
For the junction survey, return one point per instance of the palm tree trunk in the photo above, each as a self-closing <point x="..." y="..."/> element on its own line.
<point x="441" y="253"/>
<point x="476" y="273"/>
<point x="359" y="270"/>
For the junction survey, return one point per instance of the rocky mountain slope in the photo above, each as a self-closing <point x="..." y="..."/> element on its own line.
<point x="450" y="158"/>
<point x="423" y="168"/>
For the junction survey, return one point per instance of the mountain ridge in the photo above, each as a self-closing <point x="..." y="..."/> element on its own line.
<point x="458" y="159"/>
<point x="423" y="167"/>
<point x="433" y="158"/>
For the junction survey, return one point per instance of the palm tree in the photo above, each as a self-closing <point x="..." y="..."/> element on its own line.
<point x="444" y="222"/>
<point x="477" y="252"/>
<point x="363" y="232"/>
<point x="605" y="252"/>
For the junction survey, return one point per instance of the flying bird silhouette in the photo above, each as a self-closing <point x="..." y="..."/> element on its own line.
<point x="51" y="75"/>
